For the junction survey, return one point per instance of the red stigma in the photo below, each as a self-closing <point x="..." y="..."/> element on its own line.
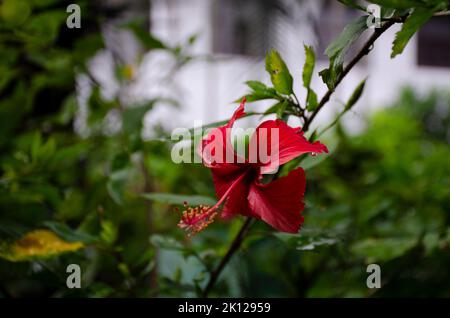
<point x="196" y="219"/>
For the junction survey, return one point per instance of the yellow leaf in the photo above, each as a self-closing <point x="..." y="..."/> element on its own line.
<point x="37" y="244"/>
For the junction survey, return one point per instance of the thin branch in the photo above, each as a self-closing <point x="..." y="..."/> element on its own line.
<point x="442" y="13"/>
<point x="148" y="188"/>
<point x="363" y="52"/>
<point x="300" y="111"/>
<point x="235" y="245"/>
<point x="297" y="101"/>
<point x="334" y="122"/>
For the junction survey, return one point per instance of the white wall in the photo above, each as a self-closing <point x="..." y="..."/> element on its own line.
<point x="208" y="88"/>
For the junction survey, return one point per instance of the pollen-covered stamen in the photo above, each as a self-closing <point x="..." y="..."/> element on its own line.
<point x="196" y="219"/>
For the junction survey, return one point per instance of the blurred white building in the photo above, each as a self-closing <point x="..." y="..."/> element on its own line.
<point x="239" y="32"/>
<point x="232" y="38"/>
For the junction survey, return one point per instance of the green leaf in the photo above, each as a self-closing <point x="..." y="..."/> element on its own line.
<point x="98" y="107"/>
<point x="331" y="74"/>
<point x="259" y="92"/>
<point x="430" y="242"/>
<point x="273" y="109"/>
<point x="306" y="240"/>
<point x="279" y="73"/>
<point x="15" y="12"/>
<point x="259" y="95"/>
<point x="337" y="50"/>
<point x="355" y="95"/>
<point x="38" y="244"/>
<point x="69" y="110"/>
<point x="42" y="3"/>
<point x="308" y="68"/>
<point x="43" y="28"/>
<point x="133" y="118"/>
<point x="308" y="243"/>
<point x="387" y="13"/>
<point x="352" y="4"/>
<point x="256" y="85"/>
<point x="170" y="198"/>
<point x="311" y="161"/>
<point x="311" y="102"/>
<point x="382" y="250"/>
<point x="86" y="46"/>
<point x="116" y="185"/>
<point x="281" y="108"/>
<point x="144" y="36"/>
<point x="108" y="233"/>
<point x="69" y="234"/>
<point x="165" y="242"/>
<point x="400" y="4"/>
<point x="412" y="24"/>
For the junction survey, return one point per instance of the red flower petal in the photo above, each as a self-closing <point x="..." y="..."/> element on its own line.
<point x="238" y="113"/>
<point x="291" y="144"/>
<point x="216" y="147"/>
<point x="280" y="202"/>
<point x="234" y="176"/>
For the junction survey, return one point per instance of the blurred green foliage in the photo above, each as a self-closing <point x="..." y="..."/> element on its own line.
<point x="60" y="190"/>
<point x="386" y="194"/>
<point x="381" y="197"/>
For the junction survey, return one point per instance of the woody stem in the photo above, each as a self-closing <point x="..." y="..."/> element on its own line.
<point x="362" y="52"/>
<point x="235" y="245"/>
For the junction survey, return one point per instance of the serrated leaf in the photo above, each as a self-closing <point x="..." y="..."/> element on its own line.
<point x="412" y="24"/>
<point x="170" y="198"/>
<point x="337" y="50"/>
<point x="339" y="47"/>
<point x="38" y="244"/>
<point x="279" y="74"/>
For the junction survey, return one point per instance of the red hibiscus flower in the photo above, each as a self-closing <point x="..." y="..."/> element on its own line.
<point x="238" y="180"/>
